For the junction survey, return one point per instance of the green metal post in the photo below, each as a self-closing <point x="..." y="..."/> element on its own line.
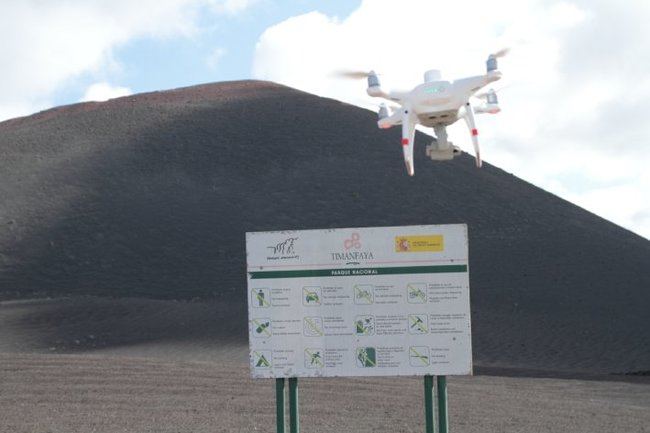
<point x="294" y="420"/>
<point x="428" y="403"/>
<point x="279" y="404"/>
<point x="443" y="419"/>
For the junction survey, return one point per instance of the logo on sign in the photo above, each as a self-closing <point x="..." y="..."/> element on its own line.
<point x="352" y="257"/>
<point x="353" y="242"/>
<point x="285" y="249"/>
<point x="419" y="244"/>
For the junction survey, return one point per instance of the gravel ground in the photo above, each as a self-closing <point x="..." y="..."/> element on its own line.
<point x="82" y="393"/>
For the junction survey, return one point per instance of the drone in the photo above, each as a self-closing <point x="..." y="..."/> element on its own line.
<point x="436" y="103"/>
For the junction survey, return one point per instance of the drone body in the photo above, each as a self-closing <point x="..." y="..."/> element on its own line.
<point x="437" y="103"/>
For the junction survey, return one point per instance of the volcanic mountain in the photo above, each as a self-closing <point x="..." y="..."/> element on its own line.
<point x="149" y="196"/>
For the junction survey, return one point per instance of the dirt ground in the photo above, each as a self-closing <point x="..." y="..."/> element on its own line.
<point x="133" y="365"/>
<point x="92" y="393"/>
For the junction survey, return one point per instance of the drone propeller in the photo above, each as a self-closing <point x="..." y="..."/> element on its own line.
<point x="351" y="74"/>
<point x="501" y="53"/>
<point x="492" y="64"/>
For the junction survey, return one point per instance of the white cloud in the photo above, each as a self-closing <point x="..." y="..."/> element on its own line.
<point x="214" y="58"/>
<point x="46" y="45"/>
<point x="573" y="118"/>
<point x="104" y="91"/>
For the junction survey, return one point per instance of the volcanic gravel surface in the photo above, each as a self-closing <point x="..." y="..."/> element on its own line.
<point x="148" y="197"/>
<point x="75" y="393"/>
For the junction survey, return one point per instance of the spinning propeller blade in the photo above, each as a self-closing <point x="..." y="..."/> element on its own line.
<point x="492" y="63"/>
<point x="353" y="75"/>
<point x="501" y="53"/>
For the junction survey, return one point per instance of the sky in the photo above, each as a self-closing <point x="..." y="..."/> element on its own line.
<point x="573" y="118"/>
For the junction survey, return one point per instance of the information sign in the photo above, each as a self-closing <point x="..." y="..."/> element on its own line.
<point x="382" y="301"/>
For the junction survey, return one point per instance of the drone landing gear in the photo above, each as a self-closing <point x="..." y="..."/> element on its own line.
<point x="441" y="149"/>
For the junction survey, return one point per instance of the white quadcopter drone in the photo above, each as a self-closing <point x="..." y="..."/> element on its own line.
<point x="436" y="103"/>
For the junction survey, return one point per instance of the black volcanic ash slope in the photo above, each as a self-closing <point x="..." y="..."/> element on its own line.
<point x="150" y="196"/>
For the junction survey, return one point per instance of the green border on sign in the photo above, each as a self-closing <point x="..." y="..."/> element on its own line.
<point x="356" y="272"/>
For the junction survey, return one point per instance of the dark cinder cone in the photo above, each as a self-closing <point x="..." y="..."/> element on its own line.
<point x="150" y="196"/>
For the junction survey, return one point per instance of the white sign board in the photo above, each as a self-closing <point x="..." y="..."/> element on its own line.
<point x="381" y="301"/>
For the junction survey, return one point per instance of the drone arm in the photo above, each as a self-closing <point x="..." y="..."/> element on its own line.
<point x="470" y="85"/>
<point x="376" y="91"/>
<point x="398" y="97"/>
<point x="482" y="109"/>
<point x="408" y="136"/>
<point x="471" y="125"/>
<point x="392" y="120"/>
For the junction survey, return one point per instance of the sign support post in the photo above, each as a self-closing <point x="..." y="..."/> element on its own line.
<point x="443" y="420"/>
<point x="428" y="403"/>
<point x="279" y="404"/>
<point x="294" y="419"/>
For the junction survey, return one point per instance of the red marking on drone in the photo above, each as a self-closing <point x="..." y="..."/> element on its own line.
<point x="474" y="131"/>
<point x="405" y="141"/>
